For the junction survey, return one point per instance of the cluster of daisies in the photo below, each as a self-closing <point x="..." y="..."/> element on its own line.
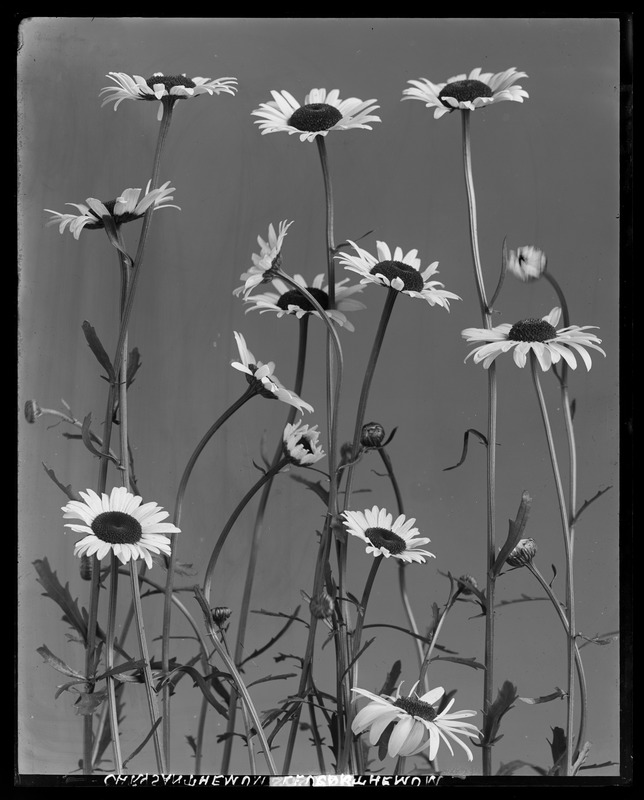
<point x="120" y="524"/>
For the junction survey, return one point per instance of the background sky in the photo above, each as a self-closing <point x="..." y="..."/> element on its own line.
<point x="546" y="173"/>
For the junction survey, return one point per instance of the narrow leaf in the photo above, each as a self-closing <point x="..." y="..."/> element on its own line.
<point x="466" y="439"/>
<point x="492" y="720"/>
<point x="99" y="351"/>
<point x="392" y="678"/>
<point x="87" y="440"/>
<point x="66" y="489"/>
<point x="314" y="486"/>
<point x="467" y="662"/>
<point x="133" y="365"/>
<point x="58" y="663"/>
<point x="533" y="701"/>
<point x="143" y="743"/>
<point x="205" y="689"/>
<point x="281" y="677"/>
<point x="515" y="532"/>
<point x="586" y="503"/>
<point x="61" y="596"/>
<point x="274" y="639"/>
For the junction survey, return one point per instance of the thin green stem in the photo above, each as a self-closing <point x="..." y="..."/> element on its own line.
<point x="328" y="194"/>
<point x="570" y="598"/>
<point x="109" y="664"/>
<point x="435" y="633"/>
<point x="257" y="533"/>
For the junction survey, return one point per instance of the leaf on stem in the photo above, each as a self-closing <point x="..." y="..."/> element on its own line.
<point x="281" y="677"/>
<point x="201" y="683"/>
<point x="62" y="597"/>
<point x="392" y="678"/>
<point x="66" y="489"/>
<point x="466" y="439"/>
<point x="467" y="662"/>
<point x="88" y="702"/>
<point x="558" y="749"/>
<point x="515" y="532"/>
<point x="492" y="720"/>
<point x="58" y="663"/>
<point x="274" y="639"/>
<point x="586" y="503"/>
<point x="99" y="351"/>
<point x="133" y="365"/>
<point x="558" y="694"/>
<point x="143" y="743"/>
<point x="87" y="441"/>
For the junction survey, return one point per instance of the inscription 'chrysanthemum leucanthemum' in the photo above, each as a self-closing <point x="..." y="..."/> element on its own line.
<point x="262" y="377"/>
<point x="321" y="112"/>
<point x="385" y="536"/>
<point x="287" y="300"/>
<point x="300" y="444"/>
<point x="164" y="88"/>
<point x="126" y="208"/>
<point x="417" y="722"/>
<point x="398" y="271"/>
<point x="119" y="523"/>
<point x="537" y="335"/>
<point x="467" y="92"/>
<point x="264" y="261"/>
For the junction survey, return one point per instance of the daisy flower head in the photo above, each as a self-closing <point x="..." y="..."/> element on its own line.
<point x="167" y="89"/>
<point x="527" y="263"/>
<point x="537" y="335"/>
<point x="523" y="553"/>
<point x="320" y="113"/>
<point x="386" y="537"/>
<point x="118" y="523"/>
<point x="417" y="722"/>
<point x="286" y="300"/>
<point x="300" y="444"/>
<point x="467" y="92"/>
<point x="262" y="378"/>
<point x="266" y="260"/>
<point x="398" y="271"/>
<point x="127" y="207"/>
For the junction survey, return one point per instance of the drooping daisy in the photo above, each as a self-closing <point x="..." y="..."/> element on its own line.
<point x="164" y="88"/>
<point x="417" y="723"/>
<point x="126" y="208"/>
<point x="539" y="335"/>
<point x="398" y="271"/>
<point x="467" y="92"/>
<point x="321" y="112"/>
<point x="261" y="375"/>
<point x="300" y="444"/>
<point x="386" y="537"/>
<point x="265" y="260"/>
<point x="119" y="523"/>
<point x="287" y="300"/>
<point x="528" y="263"/>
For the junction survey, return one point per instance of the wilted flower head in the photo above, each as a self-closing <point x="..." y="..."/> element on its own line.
<point x="265" y="261"/>
<point x="528" y="263"/>
<point x="523" y="553"/>
<point x="32" y="411"/>
<point x="372" y="435"/>
<point x="321" y="605"/>
<point x="300" y="444"/>
<point x="164" y="88"/>
<point x="126" y="208"/>
<point x="220" y="615"/>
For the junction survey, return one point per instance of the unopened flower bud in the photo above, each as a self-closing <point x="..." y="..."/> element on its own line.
<point x="523" y="553"/>
<point x="32" y="411"/>
<point x="321" y="605"/>
<point x="528" y="263"/>
<point x="373" y="434"/>
<point x="220" y="615"/>
<point x="467" y="584"/>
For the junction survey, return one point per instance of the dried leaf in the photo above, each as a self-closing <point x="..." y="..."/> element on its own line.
<point x="466" y="438"/>
<point x="66" y="489"/>
<point x="533" y="701"/>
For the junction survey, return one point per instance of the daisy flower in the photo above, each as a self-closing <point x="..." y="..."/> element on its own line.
<point x="384" y="538"/>
<point x="539" y="335"/>
<point x="119" y="523"/>
<point x="261" y="375"/>
<point x="398" y="271"/>
<point x="467" y="92"/>
<point x="287" y="300"/>
<point x="528" y="263"/>
<point x="126" y="208"/>
<point x="300" y="444"/>
<point x="265" y="260"/>
<point x="418" y="725"/>
<point x="322" y="112"/>
<point x="164" y="88"/>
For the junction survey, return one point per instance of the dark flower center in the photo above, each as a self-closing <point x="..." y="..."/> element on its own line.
<point x="170" y="80"/>
<point x="118" y="218"/>
<point x="305" y="443"/>
<point x="398" y="269"/>
<point x="532" y="330"/>
<point x="259" y="386"/>
<point x="315" y="117"/>
<point x="464" y="91"/>
<point x="296" y="298"/>
<point x="381" y="537"/>
<point x="116" y="527"/>
<point x="417" y="708"/>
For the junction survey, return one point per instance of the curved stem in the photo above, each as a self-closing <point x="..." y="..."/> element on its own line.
<point x="328" y="194"/>
<point x="570" y="600"/>
<point x="430" y="648"/>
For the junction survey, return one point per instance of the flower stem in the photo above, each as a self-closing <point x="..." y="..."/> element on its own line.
<point x="169" y="587"/>
<point x="430" y="647"/>
<point x="257" y="533"/>
<point x="328" y="194"/>
<point x="570" y="599"/>
<point x="109" y="664"/>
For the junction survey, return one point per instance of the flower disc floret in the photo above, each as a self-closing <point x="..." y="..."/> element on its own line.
<point x="387" y="537"/>
<point x="467" y="92"/>
<point x="315" y="117"/>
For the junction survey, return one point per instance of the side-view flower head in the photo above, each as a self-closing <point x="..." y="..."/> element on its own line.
<point x="467" y="92"/>
<point x="399" y="271"/>
<point x="265" y="260"/>
<point x="119" y="523"/>
<point x="527" y="263"/>
<point x="418" y="723"/>
<point x="126" y="208"/>
<point x="537" y="335"/>
<point x="164" y="88"/>
<point x="286" y="300"/>
<point x="262" y="377"/>
<point x="385" y="536"/>
<point x="320" y="113"/>
<point x="300" y="444"/>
